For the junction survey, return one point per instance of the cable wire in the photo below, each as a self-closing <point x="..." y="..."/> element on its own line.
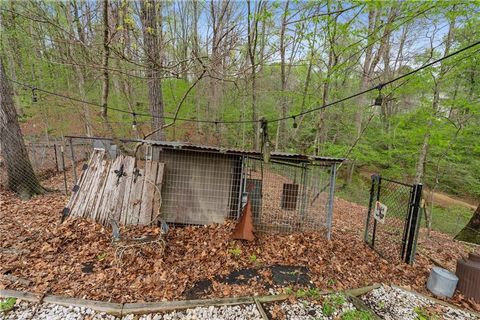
<point x="376" y="87"/>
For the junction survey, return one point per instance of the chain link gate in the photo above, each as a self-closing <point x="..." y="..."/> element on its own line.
<point x="393" y="218"/>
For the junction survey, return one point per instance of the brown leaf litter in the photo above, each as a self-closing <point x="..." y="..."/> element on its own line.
<point x="50" y="256"/>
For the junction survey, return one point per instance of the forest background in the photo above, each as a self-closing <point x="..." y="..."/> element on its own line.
<point x="160" y="64"/>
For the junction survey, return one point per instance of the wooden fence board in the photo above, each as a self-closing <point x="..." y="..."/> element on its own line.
<point x="149" y="191"/>
<point x="123" y="189"/>
<point x="84" y="183"/>
<point x="95" y="200"/>
<point x="108" y="198"/>
<point x="135" y="200"/>
<point x="157" y="198"/>
<point x="91" y="185"/>
<point x="128" y="198"/>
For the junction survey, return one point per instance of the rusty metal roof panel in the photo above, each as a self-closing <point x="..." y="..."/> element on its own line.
<point x="274" y="155"/>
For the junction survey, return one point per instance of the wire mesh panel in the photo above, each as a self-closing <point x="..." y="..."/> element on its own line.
<point x="199" y="188"/>
<point x="391" y="214"/>
<point x="288" y="197"/>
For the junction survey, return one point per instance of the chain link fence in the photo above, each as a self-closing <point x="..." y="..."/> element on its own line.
<point x="393" y="218"/>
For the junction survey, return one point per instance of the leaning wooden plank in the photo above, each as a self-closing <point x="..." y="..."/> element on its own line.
<point x="77" y="191"/>
<point x="105" y="205"/>
<point x="135" y="199"/>
<point x="79" y="195"/>
<point x="157" y="199"/>
<point x="148" y="192"/>
<point x="88" y="184"/>
<point x="97" y="192"/>
<point x="123" y="189"/>
<point x="75" y="194"/>
<point x="84" y="188"/>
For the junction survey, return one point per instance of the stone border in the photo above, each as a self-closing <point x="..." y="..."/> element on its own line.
<point x="122" y="309"/>
<point x="437" y="301"/>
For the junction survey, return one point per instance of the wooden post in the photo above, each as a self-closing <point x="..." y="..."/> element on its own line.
<point x="56" y="157"/>
<point x="72" y="154"/>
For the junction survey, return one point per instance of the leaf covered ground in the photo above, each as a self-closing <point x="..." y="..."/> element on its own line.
<point x="77" y="258"/>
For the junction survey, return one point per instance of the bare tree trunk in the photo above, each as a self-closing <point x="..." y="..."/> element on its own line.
<point x="252" y="48"/>
<point x="370" y="63"/>
<point x="279" y="143"/>
<point x="21" y="177"/>
<point x="151" y="33"/>
<point x="105" y="57"/>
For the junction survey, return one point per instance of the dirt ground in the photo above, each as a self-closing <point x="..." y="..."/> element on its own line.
<point x="77" y="258"/>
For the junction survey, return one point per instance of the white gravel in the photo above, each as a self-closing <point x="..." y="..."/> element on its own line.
<point x="392" y="303"/>
<point x="241" y="312"/>
<point x="30" y="311"/>
<point x="45" y="311"/>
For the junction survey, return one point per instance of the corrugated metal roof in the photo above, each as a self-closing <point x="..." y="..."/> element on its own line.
<point x="274" y="155"/>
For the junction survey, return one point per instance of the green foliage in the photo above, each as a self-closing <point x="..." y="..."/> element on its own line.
<point x="332" y="303"/>
<point x="310" y="293"/>
<point x="357" y="315"/>
<point x="235" y="252"/>
<point x="423" y="314"/>
<point x="7" y="304"/>
<point x="101" y="256"/>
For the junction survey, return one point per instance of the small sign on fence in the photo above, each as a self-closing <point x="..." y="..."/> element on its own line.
<point x="380" y="212"/>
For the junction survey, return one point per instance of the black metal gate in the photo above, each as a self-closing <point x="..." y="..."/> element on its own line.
<point x="393" y="218"/>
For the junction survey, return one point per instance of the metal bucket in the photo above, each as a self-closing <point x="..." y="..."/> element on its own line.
<point x="442" y="282"/>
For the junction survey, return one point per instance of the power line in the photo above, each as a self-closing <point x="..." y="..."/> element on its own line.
<point x="380" y="85"/>
<point x="377" y="87"/>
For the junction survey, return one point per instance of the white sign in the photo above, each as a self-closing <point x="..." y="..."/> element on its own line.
<point x="380" y="212"/>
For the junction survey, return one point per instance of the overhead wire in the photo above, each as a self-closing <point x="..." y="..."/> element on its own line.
<point x="292" y="116"/>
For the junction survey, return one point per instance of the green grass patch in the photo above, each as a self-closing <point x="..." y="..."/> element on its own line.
<point x="449" y="220"/>
<point x="7" y="304"/>
<point x="357" y="315"/>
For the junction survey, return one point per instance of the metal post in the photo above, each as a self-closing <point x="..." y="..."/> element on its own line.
<point x="242" y="183"/>
<point x="304" y="190"/>
<point x="330" y="201"/>
<point x="56" y="157"/>
<point x="63" y="169"/>
<point x="406" y="225"/>
<point x="370" y="207"/>
<point x="413" y="224"/>
<point x="72" y="154"/>
<point x="375" y="220"/>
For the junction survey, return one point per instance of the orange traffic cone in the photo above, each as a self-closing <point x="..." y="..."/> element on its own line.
<point x="244" y="228"/>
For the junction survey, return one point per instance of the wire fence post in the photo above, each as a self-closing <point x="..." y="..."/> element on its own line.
<point x="331" y="197"/>
<point x="72" y="154"/>
<point x="63" y="169"/>
<point x="379" y="179"/>
<point x="412" y="235"/>
<point x="370" y="207"/>
<point x="56" y="157"/>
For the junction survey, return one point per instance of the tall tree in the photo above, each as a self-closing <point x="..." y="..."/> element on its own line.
<point x="105" y="58"/>
<point x="21" y="177"/>
<point x="422" y="155"/>
<point x="151" y="13"/>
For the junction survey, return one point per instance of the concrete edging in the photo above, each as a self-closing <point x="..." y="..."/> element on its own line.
<point x="121" y="309"/>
